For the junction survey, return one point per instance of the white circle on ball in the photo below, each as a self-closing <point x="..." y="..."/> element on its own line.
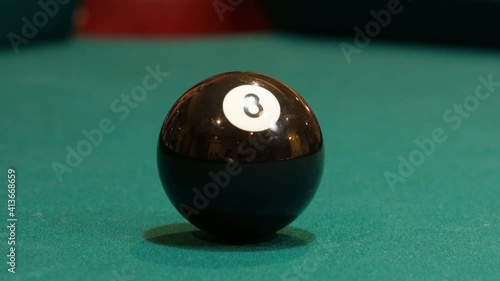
<point x="251" y="108"/>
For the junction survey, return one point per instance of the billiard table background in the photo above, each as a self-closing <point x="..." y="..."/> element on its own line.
<point x="109" y="219"/>
<point x="465" y="22"/>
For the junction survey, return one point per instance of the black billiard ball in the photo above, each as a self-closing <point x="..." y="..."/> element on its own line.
<point x="240" y="155"/>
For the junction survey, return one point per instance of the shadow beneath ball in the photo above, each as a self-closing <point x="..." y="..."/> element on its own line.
<point x="184" y="235"/>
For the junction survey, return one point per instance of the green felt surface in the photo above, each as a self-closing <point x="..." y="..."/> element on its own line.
<point x="109" y="219"/>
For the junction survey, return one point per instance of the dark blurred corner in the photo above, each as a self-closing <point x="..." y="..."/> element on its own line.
<point x="469" y="22"/>
<point x="24" y="21"/>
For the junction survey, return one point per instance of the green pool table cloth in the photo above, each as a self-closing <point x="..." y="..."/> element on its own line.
<point x="411" y="187"/>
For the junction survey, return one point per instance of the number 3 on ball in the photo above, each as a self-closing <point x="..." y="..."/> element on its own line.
<point x="251" y="108"/>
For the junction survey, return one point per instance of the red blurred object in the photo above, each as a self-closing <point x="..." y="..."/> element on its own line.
<point x="169" y="17"/>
